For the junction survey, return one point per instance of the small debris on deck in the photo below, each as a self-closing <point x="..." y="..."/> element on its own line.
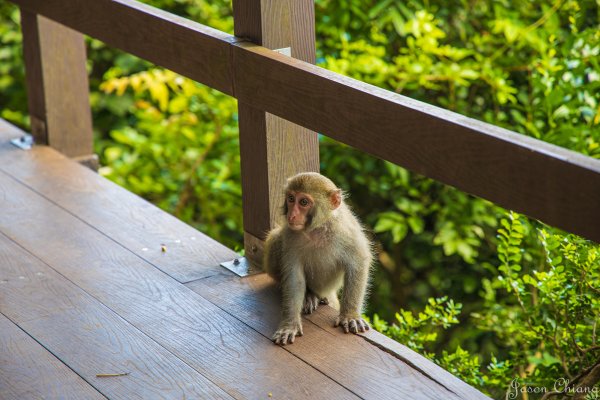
<point x="111" y="375"/>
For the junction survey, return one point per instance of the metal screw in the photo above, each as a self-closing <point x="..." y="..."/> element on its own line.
<point x="254" y="248"/>
<point x="236" y="261"/>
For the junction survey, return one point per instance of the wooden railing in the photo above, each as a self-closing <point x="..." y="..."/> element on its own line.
<point x="555" y="185"/>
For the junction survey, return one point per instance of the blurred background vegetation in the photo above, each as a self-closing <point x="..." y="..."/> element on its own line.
<point x="490" y="295"/>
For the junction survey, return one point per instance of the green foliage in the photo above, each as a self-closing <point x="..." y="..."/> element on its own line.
<point x="543" y="306"/>
<point x="13" y="102"/>
<point x="179" y="148"/>
<point x="528" y="66"/>
<point x="214" y="13"/>
<point x="489" y="61"/>
<point x="416" y="331"/>
<point x="545" y="309"/>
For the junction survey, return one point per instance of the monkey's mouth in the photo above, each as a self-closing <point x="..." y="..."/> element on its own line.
<point x="295" y="227"/>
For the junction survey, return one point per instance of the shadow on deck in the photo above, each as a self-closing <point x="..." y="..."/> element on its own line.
<point x="85" y="289"/>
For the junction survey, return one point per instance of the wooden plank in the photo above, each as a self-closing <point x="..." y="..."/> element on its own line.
<point x="555" y="185"/>
<point x="9" y="131"/>
<point x="365" y="369"/>
<point x="27" y="370"/>
<point x="324" y="319"/>
<point x="87" y="336"/>
<point x="228" y="352"/>
<point x="57" y="85"/>
<point x="272" y="149"/>
<point x="104" y="205"/>
<point x="186" y="47"/>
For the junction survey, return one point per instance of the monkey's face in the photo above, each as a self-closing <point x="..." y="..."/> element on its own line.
<point x="298" y="207"/>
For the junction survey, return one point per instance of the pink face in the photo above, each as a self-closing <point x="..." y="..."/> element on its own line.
<point x="298" y="206"/>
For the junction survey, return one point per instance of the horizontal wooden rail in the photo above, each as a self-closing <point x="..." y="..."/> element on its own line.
<point x="555" y="185"/>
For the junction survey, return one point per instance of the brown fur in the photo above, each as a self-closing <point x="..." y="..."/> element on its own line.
<point x="312" y="264"/>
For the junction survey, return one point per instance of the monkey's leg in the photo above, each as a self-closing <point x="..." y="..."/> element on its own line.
<point x="331" y="300"/>
<point x="293" y="287"/>
<point x="314" y="300"/>
<point x="311" y="302"/>
<point x="273" y="250"/>
<point x="355" y="287"/>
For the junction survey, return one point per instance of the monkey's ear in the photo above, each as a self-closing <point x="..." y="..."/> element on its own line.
<point x="336" y="198"/>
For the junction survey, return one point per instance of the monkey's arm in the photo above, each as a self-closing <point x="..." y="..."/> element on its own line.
<point x="356" y="278"/>
<point x="293" y="287"/>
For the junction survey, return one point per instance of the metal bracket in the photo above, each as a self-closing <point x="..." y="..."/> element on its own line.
<point x="286" y="51"/>
<point x="239" y="266"/>
<point x="24" y="142"/>
<point x="90" y="161"/>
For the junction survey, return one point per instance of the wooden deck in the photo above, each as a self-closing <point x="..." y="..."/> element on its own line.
<point x="85" y="289"/>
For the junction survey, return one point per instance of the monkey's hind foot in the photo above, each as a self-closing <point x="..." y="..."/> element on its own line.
<point x="311" y="302"/>
<point x="352" y="324"/>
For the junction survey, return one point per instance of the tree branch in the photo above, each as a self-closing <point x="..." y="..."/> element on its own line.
<point x="589" y="378"/>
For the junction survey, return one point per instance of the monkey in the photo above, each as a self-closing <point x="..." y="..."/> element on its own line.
<point x="320" y="248"/>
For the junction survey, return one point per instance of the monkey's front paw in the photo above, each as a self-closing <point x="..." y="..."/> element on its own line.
<point x="287" y="333"/>
<point x="352" y="324"/>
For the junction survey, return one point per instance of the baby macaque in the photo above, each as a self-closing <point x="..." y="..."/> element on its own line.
<point x="320" y="249"/>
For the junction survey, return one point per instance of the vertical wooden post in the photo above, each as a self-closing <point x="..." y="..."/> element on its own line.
<point x="272" y="148"/>
<point x="57" y="85"/>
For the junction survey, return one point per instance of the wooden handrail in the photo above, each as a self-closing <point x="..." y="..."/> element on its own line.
<point x="550" y="183"/>
<point x="188" y="48"/>
<point x="555" y="185"/>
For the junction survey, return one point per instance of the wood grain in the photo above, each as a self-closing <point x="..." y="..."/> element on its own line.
<point x="86" y="336"/>
<point x="229" y="353"/>
<point x="104" y="205"/>
<point x="303" y="40"/>
<point x="57" y="83"/>
<point x="9" y="131"/>
<point x="555" y="185"/>
<point x="186" y="47"/>
<point x="254" y="164"/>
<point x="272" y="149"/>
<point x="36" y="99"/>
<point x="276" y="23"/>
<point x="28" y="371"/>
<point x="363" y="368"/>
<point x="228" y="298"/>
<point x="250" y="13"/>
<point x="324" y="319"/>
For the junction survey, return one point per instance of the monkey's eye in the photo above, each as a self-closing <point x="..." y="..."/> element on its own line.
<point x="304" y="202"/>
<point x="290" y="198"/>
